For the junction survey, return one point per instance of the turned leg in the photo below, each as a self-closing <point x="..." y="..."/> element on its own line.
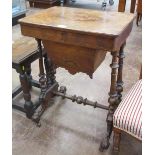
<point x="112" y="101"/>
<point x="43" y="86"/>
<point x="28" y="106"/>
<point x="42" y="79"/>
<point x="47" y="83"/>
<point x="116" y="139"/>
<point x="121" y="56"/>
<point x="29" y="76"/>
<point x="50" y="71"/>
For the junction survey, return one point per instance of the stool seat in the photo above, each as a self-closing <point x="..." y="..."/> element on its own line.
<point x="21" y="51"/>
<point x="128" y="115"/>
<point x="24" y="52"/>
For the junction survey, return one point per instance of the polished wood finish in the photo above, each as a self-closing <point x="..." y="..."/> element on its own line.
<point x="77" y="20"/>
<point x="78" y="40"/>
<point x="68" y="57"/>
<point x="81" y="32"/>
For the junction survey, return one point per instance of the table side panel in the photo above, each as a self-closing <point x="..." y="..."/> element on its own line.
<point x="84" y="40"/>
<point x="73" y="58"/>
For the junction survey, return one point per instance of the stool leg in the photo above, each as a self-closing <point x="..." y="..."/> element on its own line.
<point x="121" y="56"/>
<point x="29" y="76"/>
<point x="28" y="106"/>
<point x="116" y="139"/>
<point x="112" y="101"/>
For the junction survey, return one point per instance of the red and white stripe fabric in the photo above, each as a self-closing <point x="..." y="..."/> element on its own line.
<point x="128" y="115"/>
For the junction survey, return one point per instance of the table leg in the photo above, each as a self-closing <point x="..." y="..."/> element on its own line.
<point x="28" y="106"/>
<point x="112" y="101"/>
<point x="121" y="56"/>
<point x="42" y="79"/>
<point x="47" y="83"/>
<point x="50" y="71"/>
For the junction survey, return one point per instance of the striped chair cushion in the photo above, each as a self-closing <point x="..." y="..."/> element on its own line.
<point x="128" y="115"/>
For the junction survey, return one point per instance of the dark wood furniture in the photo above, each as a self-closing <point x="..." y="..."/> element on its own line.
<point x="24" y="52"/>
<point x="78" y="40"/>
<point x="43" y="3"/>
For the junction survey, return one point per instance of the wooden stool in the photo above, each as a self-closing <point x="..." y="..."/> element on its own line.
<point x="24" y="53"/>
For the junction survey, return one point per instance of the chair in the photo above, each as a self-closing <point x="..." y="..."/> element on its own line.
<point x="128" y="115"/>
<point x="122" y="5"/>
<point x="139" y="11"/>
<point x="22" y="57"/>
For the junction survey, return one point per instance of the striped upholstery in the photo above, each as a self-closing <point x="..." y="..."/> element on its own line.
<point x="128" y="115"/>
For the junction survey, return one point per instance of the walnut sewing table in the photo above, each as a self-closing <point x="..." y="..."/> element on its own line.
<point x="78" y="40"/>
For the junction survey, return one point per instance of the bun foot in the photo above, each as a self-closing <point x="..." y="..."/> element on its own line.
<point x="104" y="145"/>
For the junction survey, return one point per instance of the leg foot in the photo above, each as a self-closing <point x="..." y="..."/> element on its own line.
<point x="28" y="106"/>
<point x="116" y="140"/>
<point x="104" y="144"/>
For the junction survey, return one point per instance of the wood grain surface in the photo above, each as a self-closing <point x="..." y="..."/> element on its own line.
<point x="78" y="39"/>
<point x="82" y="20"/>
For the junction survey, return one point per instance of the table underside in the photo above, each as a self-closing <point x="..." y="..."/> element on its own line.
<point x="74" y="58"/>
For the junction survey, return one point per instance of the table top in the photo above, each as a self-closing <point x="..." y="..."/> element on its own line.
<point x="80" y="20"/>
